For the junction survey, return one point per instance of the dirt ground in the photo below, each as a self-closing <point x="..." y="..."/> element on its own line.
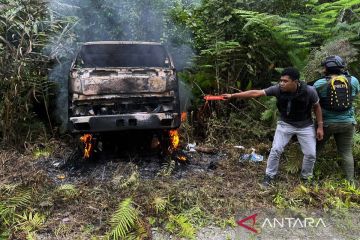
<point x="224" y="188"/>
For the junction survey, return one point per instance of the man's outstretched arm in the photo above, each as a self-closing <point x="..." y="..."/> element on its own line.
<point x="246" y="94"/>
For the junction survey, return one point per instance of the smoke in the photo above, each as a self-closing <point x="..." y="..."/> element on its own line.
<point x="185" y="96"/>
<point x="127" y="20"/>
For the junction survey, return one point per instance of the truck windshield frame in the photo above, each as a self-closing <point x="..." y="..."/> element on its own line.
<point x="122" y="55"/>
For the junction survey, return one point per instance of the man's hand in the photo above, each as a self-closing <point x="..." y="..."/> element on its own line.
<point x="319" y="120"/>
<point x="319" y="133"/>
<point x="226" y="96"/>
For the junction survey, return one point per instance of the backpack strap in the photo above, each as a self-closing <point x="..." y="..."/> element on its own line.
<point x="340" y="79"/>
<point x="348" y="78"/>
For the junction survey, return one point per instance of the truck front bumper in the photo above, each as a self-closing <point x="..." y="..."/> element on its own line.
<point x="135" y="121"/>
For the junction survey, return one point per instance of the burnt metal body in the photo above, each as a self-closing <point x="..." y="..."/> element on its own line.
<point x="117" y="85"/>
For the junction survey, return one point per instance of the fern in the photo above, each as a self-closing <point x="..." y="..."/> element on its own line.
<point x="160" y="204"/>
<point x="350" y="188"/>
<point x="22" y="199"/>
<point x="279" y="200"/>
<point x="139" y="233"/>
<point x="167" y="168"/>
<point x="123" y="220"/>
<point x="11" y="204"/>
<point x="31" y="236"/>
<point x="181" y="224"/>
<point x="132" y="181"/>
<point x="197" y="216"/>
<point x="6" y="214"/>
<point x="30" y="222"/>
<point x="8" y="188"/>
<point x="67" y="191"/>
<point x="326" y="20"/>
<point x="62" y="230"/>
<point x="329" y="15"/>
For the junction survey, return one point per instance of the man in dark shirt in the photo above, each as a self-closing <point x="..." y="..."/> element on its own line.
<point x="295" y="101"/>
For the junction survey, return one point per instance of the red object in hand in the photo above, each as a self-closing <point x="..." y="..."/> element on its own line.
<point x="213" y="97"/>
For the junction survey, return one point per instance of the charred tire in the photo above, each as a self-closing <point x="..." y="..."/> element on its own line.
<point x="164" y="143"/>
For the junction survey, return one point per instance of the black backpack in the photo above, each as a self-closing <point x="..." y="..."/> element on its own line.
<point x="338" y="93"/>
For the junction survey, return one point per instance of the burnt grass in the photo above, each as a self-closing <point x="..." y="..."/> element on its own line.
<point x="218" y="183"/>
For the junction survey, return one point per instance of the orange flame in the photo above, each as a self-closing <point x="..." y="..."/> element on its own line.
<point x="88" y="146"/>
<point x="183" y="116"/>
<point x="174" y="138"/>
<point x="182" y="158"/>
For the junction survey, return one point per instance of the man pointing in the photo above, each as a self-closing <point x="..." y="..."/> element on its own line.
<point x="295" y="102"/>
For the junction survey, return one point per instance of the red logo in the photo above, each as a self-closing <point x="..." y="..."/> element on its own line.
<point x="242" y="221"/>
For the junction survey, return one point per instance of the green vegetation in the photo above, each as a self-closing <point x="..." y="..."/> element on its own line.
<point x="15" y="214"/>
<point x="237" y="45"/>
<point x="237" y="34"/>
<point x="240" y="45"/>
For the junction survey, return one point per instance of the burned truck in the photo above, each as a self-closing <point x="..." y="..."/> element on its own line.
<point x="120" y="86"/>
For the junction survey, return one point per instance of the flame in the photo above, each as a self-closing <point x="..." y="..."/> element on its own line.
<point x="182" y="158"/>
<point x="87" y="140"/>
<point x="174" y="138"/>
<point x="183" y="116"/>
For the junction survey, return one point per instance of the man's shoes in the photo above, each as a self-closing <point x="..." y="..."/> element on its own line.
<point x="267" y="182"/>
<point x="307" y="181"/>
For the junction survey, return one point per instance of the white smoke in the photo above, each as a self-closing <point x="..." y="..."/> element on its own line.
<point x="95" y="20"/>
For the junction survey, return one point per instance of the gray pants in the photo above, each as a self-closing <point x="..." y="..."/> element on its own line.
<point x="343" y="134"/>
<point x="307" y="139"/>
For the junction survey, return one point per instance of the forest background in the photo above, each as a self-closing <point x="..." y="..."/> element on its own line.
<point x="218" y="46"/>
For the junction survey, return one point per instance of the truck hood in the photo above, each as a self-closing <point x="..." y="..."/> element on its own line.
<point x="118" y="81"/>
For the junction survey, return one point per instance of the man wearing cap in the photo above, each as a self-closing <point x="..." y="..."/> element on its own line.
<point x="339" y="121"/>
